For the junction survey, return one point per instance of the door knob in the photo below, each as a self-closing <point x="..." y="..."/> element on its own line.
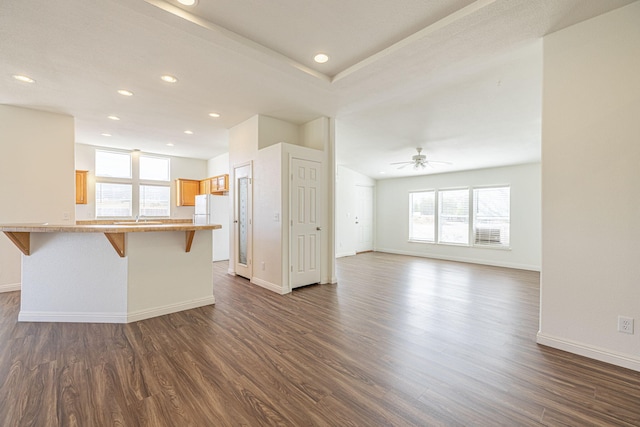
<point x="235" y="222"/>
<point x="318" y="228"/>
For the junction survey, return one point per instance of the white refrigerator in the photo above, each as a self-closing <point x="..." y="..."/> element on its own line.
<point x="212" y="209"/>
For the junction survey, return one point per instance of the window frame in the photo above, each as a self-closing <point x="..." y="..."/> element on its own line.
<point x="474" y="222"/>
<point x="108" y="177"/>
<point x="471" y="217"/>
<point x="98" y="183"/>
<point x="435" y="216"/>
<point x="134" y="181"/>
<point x="151" y="156"/>
<point x="140" y="204"/>
<point x="439" y="213"/>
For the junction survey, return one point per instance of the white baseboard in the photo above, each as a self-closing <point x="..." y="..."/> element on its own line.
<point x="270" y="286"/>
<point x="463" y="259"/>
<point x="11" y="287"/>
<point x="42" y="316"/>
<point x="39" y="316"/>
<point x="601" y="354"/>
<point x="343" y="254"/>
<point x="171" y="308"/>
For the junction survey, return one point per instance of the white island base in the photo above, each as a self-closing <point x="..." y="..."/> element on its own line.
<point x="79" y="277"/>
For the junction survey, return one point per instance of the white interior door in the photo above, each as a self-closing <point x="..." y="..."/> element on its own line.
<point x="305" y="222"/>
<point x="364" y="219"/>
<point x="243" y="221"/>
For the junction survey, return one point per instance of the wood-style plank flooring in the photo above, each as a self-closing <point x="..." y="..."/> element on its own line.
<point x="399" y="341"/>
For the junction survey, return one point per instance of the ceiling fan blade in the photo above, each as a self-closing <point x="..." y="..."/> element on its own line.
<point x="405" y="165"/>
<point x="437" y="161"/>
<point x="400" y="163"/>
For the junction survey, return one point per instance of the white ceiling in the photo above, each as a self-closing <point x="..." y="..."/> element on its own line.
<point x="460" y="78"/>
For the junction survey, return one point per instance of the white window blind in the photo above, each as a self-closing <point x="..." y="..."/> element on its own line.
<point x="453" y="216"/>
<point x="113" y="200"/>
<point x="422" y="214"/>
<point x="491" y="216"/>
<point x="154" y="200"/>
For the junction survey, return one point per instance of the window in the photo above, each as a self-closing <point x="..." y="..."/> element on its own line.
<point x="422" y="211"/>
<point x="491" y="216"/>
<point x="154" y="168"/>
<point x="113" y="165"/>
<point x="113" y="199"/>
<point x="154" y="200"/>
<point x="128" y="184"/>
<point x="453" y="216"/>
<point x="446" y="217"/>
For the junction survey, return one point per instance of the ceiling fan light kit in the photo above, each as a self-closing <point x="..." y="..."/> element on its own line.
<point x="419" y="161"/>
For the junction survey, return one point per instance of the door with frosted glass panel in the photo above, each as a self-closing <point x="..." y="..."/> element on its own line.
<point x="243" y="221"/>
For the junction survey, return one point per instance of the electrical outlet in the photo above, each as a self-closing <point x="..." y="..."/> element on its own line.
<point x="625" y="324"/>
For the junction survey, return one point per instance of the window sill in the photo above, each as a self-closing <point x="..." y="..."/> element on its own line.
<point x="461" y="245"/>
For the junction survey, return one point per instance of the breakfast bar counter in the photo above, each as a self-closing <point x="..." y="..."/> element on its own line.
<point x="115" y="273"/>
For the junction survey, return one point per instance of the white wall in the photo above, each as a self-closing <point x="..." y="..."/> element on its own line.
<point x="319" y="134"/>
<point x="37" y="180"/>
<point x="591" y="187"/>
<point x="272" y="131"/>
<point x="267" y="230"/>
<point x="181" y="167"/>
<point x="218" y="165"/>
<point x="392" y="221"/>
<point x="315" y="134"/>
<point x="269" y="143"/>
<point x="346" y="182"/>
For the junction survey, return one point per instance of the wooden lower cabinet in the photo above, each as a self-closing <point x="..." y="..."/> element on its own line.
<point x="81" y="187"/>
<point x="186" y="191"/>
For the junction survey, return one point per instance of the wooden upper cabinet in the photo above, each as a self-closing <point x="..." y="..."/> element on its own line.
<point x="215" y="184"/>
<point x="205" y="186"/>
<point x="81" y="187"/>
<point x="186" y="191"/>
<point x="222" y="182"/>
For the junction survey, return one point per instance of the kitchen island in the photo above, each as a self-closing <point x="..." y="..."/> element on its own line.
<point x="112" y="273"/>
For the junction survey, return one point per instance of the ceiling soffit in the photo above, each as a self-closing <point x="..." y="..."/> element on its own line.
<point x="354" y="42"/>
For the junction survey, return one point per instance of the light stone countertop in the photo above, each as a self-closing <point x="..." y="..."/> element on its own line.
<point x="116" y="227"/>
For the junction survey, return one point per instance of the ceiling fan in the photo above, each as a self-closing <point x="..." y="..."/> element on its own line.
<point x="419" y="161"/>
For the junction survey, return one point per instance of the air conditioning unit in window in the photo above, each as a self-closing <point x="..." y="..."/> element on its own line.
<point x="487" y="236"/>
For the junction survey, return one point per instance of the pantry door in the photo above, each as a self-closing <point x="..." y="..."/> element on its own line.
<point x="306" y="228"/>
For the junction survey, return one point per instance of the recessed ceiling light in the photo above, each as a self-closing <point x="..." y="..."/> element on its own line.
<point x="321" y="58"/>
<point x="168" y="78"/>
<point x="187" y="2"/>
<point x="169" y="144"/>
<point x="125" y="92"/>
<point x="105" y="134"/>
<point x="214" y="115"/>
<point x="188" y="132"/>
<point x="114" y="117"/>
<point x="23" y="78"/>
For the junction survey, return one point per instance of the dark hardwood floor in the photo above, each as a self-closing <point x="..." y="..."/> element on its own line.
<point x="399" y="341"/>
